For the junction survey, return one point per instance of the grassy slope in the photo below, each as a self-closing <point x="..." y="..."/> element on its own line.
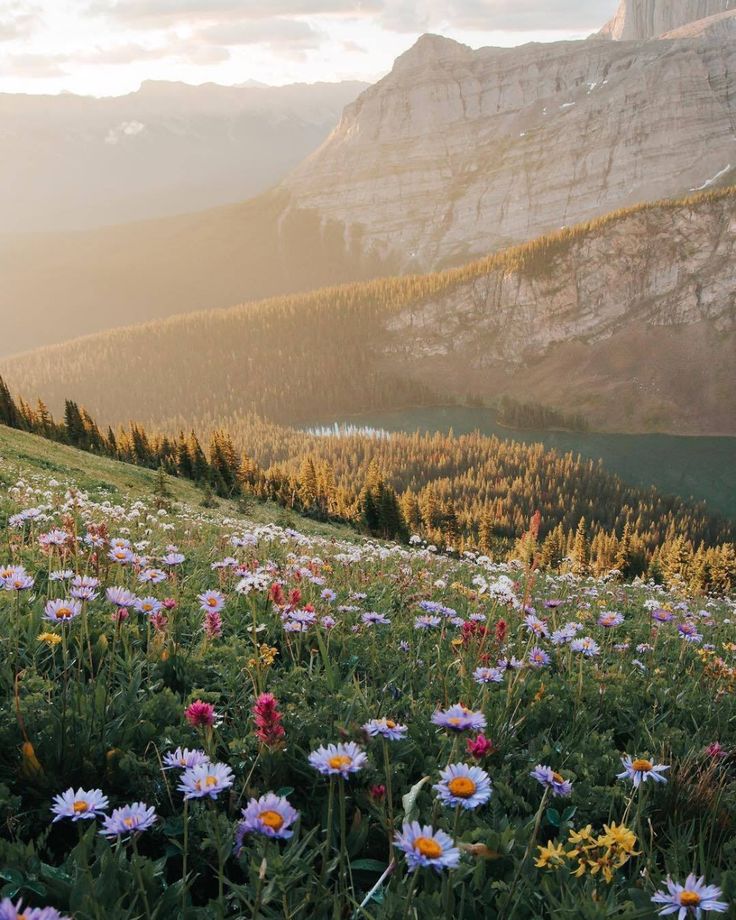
<point x="24" y="455"/>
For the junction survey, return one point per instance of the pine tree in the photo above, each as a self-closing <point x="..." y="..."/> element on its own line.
<point x="9" y="414"/>
<point x="581" y="549"/>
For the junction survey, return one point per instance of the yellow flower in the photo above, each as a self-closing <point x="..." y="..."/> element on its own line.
<point x="553" y="855"/>
<point x="49" y="638"/>
<point x="618" y="836"/>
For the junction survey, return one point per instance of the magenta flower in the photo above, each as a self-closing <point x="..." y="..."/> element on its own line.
<point x="200" y="714"/>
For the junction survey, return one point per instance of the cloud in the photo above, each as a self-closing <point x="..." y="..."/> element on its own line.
<point x="281" y="33"/>
<point x="157" y="11"/>
<point x="18" y="20"/>
<point x="496" y="15"/>
<point x="37" y="66"/>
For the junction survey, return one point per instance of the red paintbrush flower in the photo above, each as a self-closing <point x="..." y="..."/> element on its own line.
<point x="269" y="730"/>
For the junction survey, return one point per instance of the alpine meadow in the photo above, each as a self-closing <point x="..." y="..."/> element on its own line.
<point x="367" y="460"/>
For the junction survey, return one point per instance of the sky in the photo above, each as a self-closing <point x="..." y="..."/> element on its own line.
<point x="108" y="47"/>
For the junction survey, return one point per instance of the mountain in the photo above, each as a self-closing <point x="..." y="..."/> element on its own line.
<point x="638" y="20"/>
<point x="76" y="162"/>
<point x="459" y="152"/>
<point x="629" y="320"/>
<point x="456" y="153"/>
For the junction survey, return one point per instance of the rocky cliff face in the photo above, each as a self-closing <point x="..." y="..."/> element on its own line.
<point x="460" y="152"/>
<point x="632" y="323"/>
<point x="638" y="20"/>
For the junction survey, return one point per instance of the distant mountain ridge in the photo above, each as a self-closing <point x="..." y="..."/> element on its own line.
<point x="455" y="154"/>
<point x="75" y="162"/>
<point x="629" y="320"/>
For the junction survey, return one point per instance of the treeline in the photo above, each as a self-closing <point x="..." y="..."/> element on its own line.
<point x="532" y="415"/>
<point x="468" y="492"/>
<point x="293" y="359"/>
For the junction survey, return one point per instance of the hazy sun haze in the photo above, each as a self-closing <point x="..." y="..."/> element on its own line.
<point x="108" y="47"/>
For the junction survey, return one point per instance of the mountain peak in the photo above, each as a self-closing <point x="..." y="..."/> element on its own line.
<point x="430" y="48"/>
<point x="640" y="20"/>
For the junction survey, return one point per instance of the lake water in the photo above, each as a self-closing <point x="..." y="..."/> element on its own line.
<point x="702" y="468"/>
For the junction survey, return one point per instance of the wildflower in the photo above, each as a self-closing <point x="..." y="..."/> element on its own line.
<point x="338" y="759"/>
<point x="10" y="911"/>
<point x="205" y="779"/>
<point x="640" y="770"/>
<point x="18" y="580"/>
<point x="689" y="632"/>
<point x="212" y="624"/>
<point x="211" y="600"/>
<point x="375" y="619"/>
<point x="271" y="815"/>
<point x="423" y="847"/>
<point x="129" y="819"/>
<point x="488" y="676"/>
<point x="49" y="638"/>
<point x="552" y="603"/>
<point x="173" y="559"/>
<point x="551" y="857"/>
<point x="121" y="555"/>
<point x="535" y="625"/>
<point x="609" y="619"/>
<point x="693" y="897"/>
<point x="59" y="611"/>
<point x="200" y="714"/>
<point x="550" y="780"/>
<point x="714" y="749"/>
<point x="152" y="576"/>
<point x="619" y="836"/>
<point x="386" y="728"/>
<point x="479" y="747"/>
<point x="147" y="605"/>
<point x="377" y="793"/>
<point x="464" y="786"/>
<point x="586" y="645"/>
<point x="80" y="805"/>
<point x="459" y="719"/>
<point x="538" y="658"/>
<point x="328" y="595"/>
<point x="183" y="758"/>
<point x="660" y="615"/>
<point x="267" y="717"/>
<point x="426" y="621"/>
<point x="120" y="597"/>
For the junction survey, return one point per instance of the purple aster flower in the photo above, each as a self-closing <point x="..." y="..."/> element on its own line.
<point x="609" y="619"/>
<point x="546" y="777"/>
<point x="386" y="728"/>
<point x="426" y="847"/>
<point x="535" y="625"/>
<point x="641" y="769"/>
<point x="183" y="759"/>
<point x="426" y="621"/>
<point x="211" y="600"/>
<point x="121" y="555"/>
<point x="459" y="719"/>
<point x="689" y="632"/>
<point x="205" y="779"/>
<point x="152" y="576"/>
<point x="120" y="597"/>
<point x="694" y="897"/>
<point x="271" y="815"/>
<point x="538" y="658"/>
<point x="375" y="619"/>
<point x="488" y="675"/>
<point x="552" y="603"/>
<point x="130" y="819"/>
<point x="328" y="595"/>
<point x="148" y="605"/>
<point x="173" y="559"/>
<point x="464" y="786"/>
<point x="660" y="615"/>
<point x="404" y="646"/>
<point x="18" y="580"/>
<point x="338" y="759"/>
<point x="60" y="611"/>
<point x="81" y="805"/>
<point x="586" y="645"/>
<point x="10" y="911"/>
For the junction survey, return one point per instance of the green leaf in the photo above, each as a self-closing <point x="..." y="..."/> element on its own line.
<point x="368" y="865"/>
<point x="553" y="817"/>
<point x="409" y="801"/>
